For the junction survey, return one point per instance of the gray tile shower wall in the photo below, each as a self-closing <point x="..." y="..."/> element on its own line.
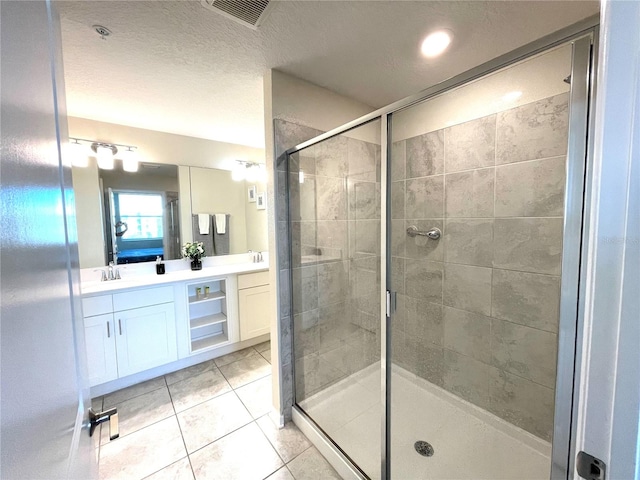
<point x="335" y="265"/>
<point x="287" y="134"/>
<point x="478" y="310"/>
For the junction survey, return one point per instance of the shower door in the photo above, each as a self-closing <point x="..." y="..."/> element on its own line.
<point x="478" y="178"/>
<point x="335" y="228"/>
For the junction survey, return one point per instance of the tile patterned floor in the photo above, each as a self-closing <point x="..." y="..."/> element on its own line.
<point x="208" y="421"/>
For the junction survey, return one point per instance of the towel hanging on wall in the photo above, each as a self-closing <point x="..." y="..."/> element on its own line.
<point x="221" y="223"/>
<point x="207" y="240"/>
<point x="203" y="223"/>
<point x="221" y="240"/>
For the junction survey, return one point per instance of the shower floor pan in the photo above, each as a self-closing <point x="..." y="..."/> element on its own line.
<point x="468" y="442"/>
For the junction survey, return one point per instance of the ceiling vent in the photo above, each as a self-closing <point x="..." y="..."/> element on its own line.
<point x="247" y="12"/>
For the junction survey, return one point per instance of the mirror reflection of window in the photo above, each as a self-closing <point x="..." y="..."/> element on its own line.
<point x="143" y="215"/>
<point x="139" y="221"/>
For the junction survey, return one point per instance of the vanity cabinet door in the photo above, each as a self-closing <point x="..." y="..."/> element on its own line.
<point x="254" y="311"/>
<point x="100" y="340"/>
<point x="146" y="338"/>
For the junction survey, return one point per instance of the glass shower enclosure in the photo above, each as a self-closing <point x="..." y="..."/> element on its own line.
<point x="435" y="249"/>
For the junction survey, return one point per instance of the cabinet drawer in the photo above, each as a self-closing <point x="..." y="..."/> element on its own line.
<point x="96" y="305"/>
<point x="142" y="298"/>
<point x="249" y="280"/>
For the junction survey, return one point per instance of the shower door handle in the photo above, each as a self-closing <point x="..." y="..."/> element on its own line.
<point x="434" y="234"/>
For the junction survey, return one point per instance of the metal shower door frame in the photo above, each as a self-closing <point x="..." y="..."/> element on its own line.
<point x="583" y="36"/>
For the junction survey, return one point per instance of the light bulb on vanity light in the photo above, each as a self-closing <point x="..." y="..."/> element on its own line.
<point x="78" y="154"/>
<point x="262" y="173"/>
<point x="238" y="171"/>
<point x="105" y="156"/>
<point x="252" y="173"/>
<point x="129" y="160"/>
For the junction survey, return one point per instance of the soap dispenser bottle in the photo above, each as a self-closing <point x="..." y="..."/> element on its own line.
<point x="159" y="266"/>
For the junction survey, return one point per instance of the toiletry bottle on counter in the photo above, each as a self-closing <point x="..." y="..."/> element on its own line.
<point x="159" y="266"/>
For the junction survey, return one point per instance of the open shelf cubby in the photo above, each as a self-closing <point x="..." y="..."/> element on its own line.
<point x="207" y="314"/>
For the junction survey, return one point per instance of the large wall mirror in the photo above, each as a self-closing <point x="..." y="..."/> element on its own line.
<point x="135" y="217"/>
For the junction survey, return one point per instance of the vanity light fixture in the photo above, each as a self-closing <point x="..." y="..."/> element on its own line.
<point x="80" y="149"/>
<point x="250" y="171"/>
<point x="435" y="43"/>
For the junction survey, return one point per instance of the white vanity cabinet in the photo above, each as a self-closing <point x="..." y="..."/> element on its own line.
<point x="99" y="337"/>
<point x="129" y="332"/>
<point x="146" y="338"/>
<point x="253" y="304"/>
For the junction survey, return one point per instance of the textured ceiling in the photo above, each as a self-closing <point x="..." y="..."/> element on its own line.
<point x="176" y="67"/>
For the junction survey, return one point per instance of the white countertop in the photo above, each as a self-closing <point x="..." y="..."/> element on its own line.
<point x="138" y="280"/>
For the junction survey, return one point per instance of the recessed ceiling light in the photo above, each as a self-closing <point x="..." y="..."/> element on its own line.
<point x="436" y="43"/>
<point x="512" y="96"/>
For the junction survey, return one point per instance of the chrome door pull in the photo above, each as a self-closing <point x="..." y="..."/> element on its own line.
<point x="108" y="331"/>
<point x="120" y="325"/>
<point x="96" y="418"/>
<point x="433" y="234"/>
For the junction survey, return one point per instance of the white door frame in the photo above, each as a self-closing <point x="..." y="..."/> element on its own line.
<point x="609" y="399"/>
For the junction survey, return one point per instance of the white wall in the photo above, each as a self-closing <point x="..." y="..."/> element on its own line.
<point x="609" y="401"/>
<point x="304" y="103"/>
<point x="535" y="78"/>
<point x="160" y="147"/>
<point x="257" y="238"/>
<point x="213" y="191"/>
<point x="126" y="181"/>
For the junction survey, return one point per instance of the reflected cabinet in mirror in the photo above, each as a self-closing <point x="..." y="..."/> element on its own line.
<point x="128" y="217"/>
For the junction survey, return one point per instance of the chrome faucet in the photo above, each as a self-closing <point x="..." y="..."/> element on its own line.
<point x="110" y="273"/>
<point x="103" y="274"/>
<point x="256" y="257"/>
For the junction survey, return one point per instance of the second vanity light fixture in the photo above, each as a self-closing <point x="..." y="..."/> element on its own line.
<point x="105" y="153"/>
<point x="249" y="171"/>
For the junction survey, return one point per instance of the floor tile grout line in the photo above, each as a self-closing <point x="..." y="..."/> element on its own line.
<point x="184" y="443"/>
<point x="135" y="396"/>
<point x="139" y="430"/>
<point x="220" y="438"/>
<point x="289" y="470"/>
<point x="159" y="470"/>
<point x="284" y="464"/>
<point x="252" y="381"/>
<point x="215" y="367"/>
<point x="238" y="360"/>
<point x="217" y="395"/>
<point x="311" y="445"/>
<point x="270" y="442"/>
